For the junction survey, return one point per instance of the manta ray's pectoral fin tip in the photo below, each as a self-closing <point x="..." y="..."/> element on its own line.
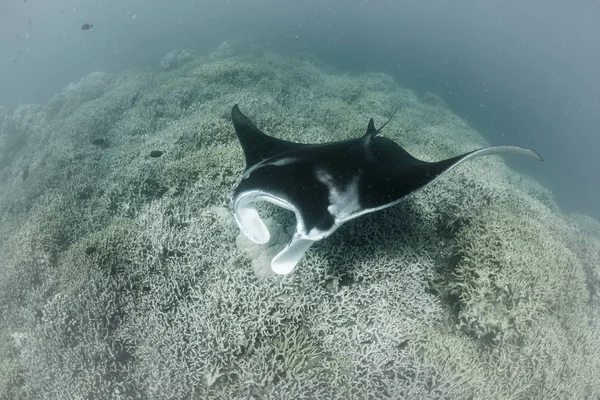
<point x="493" y="150"/>
<point x="537" y="156"/>
<point x="287" y="259"/>
<point x="236" y="114"/>
<point x="518" y="150"/>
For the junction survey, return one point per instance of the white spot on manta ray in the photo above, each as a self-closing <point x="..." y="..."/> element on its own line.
<point x="343" y="201"/>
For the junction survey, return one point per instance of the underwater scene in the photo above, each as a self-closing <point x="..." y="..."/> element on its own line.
<point x="132" y="265"/>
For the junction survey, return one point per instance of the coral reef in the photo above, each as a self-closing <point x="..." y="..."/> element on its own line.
<point x="175" y="59"/>
<point x="123" y="275"/>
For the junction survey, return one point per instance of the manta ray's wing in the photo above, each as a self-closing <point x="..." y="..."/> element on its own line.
<point x="256" y="145"/>
<point x="395" y="175"/>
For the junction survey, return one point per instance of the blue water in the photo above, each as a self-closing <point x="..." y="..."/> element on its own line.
<point x="523" y="72"/>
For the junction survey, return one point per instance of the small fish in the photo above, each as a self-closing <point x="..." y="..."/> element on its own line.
<point x="156" y="153"/>
<point x="25" y="173"/>
<point x="90" y="250"/>
<point x="134" y="98"/>
<point x="100" y="142"/>
<point x="86" y="27"/>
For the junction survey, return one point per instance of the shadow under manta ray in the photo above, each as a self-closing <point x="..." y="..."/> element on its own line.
<point x="328" y="184"/>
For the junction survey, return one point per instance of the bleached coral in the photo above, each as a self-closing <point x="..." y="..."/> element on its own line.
<point x="124" y="276"/>
<point x="175" y="59"/>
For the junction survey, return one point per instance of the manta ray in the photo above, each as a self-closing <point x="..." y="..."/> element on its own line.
<point x="328" y="184"/>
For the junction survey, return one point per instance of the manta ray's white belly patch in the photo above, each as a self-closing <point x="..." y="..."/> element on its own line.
<point x="344" y="200"/>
